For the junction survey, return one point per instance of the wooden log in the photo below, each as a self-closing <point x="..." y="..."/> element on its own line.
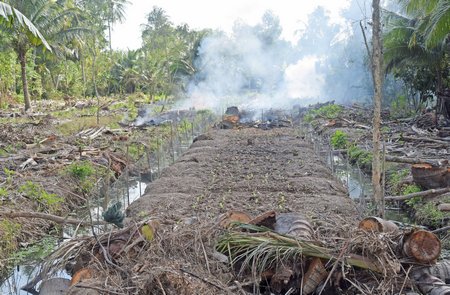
<point x="226" y="219"/>
<point x="422" y="245"/>
<point x="301" y="229"/>
<point x="431" y="285"/>
<point x="429" y="177"/>
<point x="315" y="274"/>
<point x="440" y="270"/>
<point x="426" y="139"/>
<point x="427" y="193"/>
<point x="432" y="162"/>
<point x="377" y="224"/>
<point x="267" y="219"/>
<point x="54" y="218"/>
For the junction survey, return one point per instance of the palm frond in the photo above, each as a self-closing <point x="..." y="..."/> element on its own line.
<point x="438" y="26"/>
<point x="10" y="16"/>
<point x="263" y="249"/>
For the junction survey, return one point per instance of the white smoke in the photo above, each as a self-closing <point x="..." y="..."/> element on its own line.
<point x="302" y="78"/>
<point x="250" y="68"/>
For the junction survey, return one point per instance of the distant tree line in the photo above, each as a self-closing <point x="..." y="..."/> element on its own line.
<point x="62" y="48"/>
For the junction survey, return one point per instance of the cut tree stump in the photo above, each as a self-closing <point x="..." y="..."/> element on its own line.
<point x="429" y="176"/>
<point x="377" y="224"/>
<point x="422" y="245"/>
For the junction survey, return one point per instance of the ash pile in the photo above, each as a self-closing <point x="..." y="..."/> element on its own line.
<point x="263" y="119"/>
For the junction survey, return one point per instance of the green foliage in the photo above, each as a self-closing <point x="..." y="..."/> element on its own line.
<point x="395" y="178"/>
<point x="331" y="111"/>
<point x="413" y="202"/>
<point x="401" y="107"/>
<point x="361" y="157"/>
<point x="35" y="252"/>
<point x="429" y="214"/>
<point x="416" y="48"/>
<point x="3" y="192"/>
<point x="81" y="170"/>
<point x="339" y="140"/>
<point x="11" y="17"/>
<point x="412" y="188"/>
<point x="46" y="201"/>
<point x="9" y="232"/>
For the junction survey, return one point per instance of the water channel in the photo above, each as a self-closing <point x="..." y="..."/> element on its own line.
<point x="127" y="188"/>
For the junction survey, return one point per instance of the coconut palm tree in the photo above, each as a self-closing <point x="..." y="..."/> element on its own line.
<point x="49" y="19"/>
<point x="10" y="16"/>
<point x="433" y="20"/>
<point x="419" y="40"/>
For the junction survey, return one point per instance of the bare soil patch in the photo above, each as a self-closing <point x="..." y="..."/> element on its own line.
<point x="247" y="169"/>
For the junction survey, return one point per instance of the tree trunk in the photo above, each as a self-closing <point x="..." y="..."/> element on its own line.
<point x="23" y="66"/>
<point x="83" y="74"/>
<point x="378" y="84"/>
<point x="109" y="35"/>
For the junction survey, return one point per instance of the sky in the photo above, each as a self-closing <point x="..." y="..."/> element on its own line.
<point x="200" y="14"/>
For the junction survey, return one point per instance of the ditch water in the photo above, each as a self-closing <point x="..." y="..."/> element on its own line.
<point x="127" y="188"/>
<point x="358" y="183"/>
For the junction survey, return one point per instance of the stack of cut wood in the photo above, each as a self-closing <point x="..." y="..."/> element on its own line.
<point x="282" y="254"/>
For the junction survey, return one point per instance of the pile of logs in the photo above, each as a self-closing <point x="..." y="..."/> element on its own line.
<point x="282" y="254"/>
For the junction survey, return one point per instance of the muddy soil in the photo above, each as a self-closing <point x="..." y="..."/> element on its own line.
<point x="251" y="170"/>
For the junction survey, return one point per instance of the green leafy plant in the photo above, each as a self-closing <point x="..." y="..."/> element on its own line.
<point x="3" y="192"/>
<point x="412" y="188"/>
<point x="35" y="252"/>
<point x="331" y="111"/>
<point x="81" y="170"/>
<point x="46" y="200"/>
<point x="339" y="140"/>
<point x="361" y="157"/>
<point x="413" y="202"/>
<point x="429" y="214"/>
<point x="9" y="231"/>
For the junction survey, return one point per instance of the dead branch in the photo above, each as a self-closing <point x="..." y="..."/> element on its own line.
<point x="50" y="217"/>
<point x="432" y="162"/>
<point x="442" y="229"/>
<point x="427" y="193"/>
<point x="427" y="139"/>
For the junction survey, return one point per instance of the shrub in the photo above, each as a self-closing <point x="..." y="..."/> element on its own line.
<point x="81" y="170"/>
<point x="331" y="111"/>
<point x="360" y="156"/>
<point x="339" y="140"/>
<point x="36" y="192"/>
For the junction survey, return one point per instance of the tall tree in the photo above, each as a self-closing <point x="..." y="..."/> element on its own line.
<point x="24" y="34"/>
<point x="377" y="70"/>
<point x="417" y="47"/>
<point x="115" y="12"/>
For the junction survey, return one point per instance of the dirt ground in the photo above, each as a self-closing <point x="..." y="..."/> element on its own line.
<point x="251" y="170"/>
